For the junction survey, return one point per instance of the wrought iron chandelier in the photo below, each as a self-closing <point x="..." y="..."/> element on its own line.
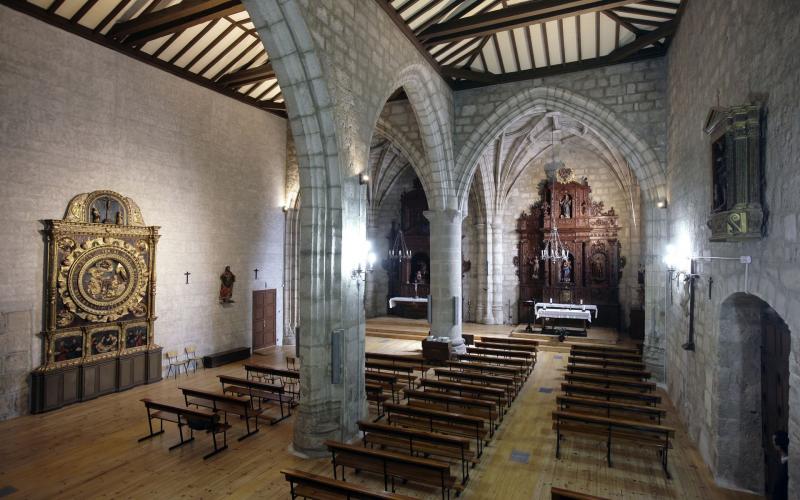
<point x="552" y="248"/>
<point x="399" y="250"/>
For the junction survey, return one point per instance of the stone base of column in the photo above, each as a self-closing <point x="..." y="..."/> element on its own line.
<point x="498" y="314"/>
<point x="458" y="346"/>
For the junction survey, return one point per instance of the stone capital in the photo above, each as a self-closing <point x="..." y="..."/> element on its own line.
<point x="446" y="216"/>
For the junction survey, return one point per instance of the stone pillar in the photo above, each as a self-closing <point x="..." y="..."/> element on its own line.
<point x="483" y="311"/>
<point x="497" y="271"/>
<point x="445" y="229"/>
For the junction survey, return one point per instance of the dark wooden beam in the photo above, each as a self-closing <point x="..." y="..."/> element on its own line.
<point x="86" y="7"/>
<point x="111" y="15"/>
<point x="522" y="14"/>
<point x="176" y="18"/>
<point x="88" y="34"/>
<point x="624" y="22"/>
<point x="658" y="14"/>
<point x="476" y="79"/>
<point x="661" y="4"/>
<point x="649" y="38"/>
<point x="468" y="74"/>
<point x="247" y="76"/>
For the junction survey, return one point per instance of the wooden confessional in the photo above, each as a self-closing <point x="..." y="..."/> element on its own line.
<point x="588" y="231"/>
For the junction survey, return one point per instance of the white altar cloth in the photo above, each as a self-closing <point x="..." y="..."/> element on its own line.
<point x="564" y="314"/>
<point x="572" y="307"/>
<point x="394" y="300"/>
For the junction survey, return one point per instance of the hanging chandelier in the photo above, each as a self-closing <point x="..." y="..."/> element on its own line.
<point x="552" y="248"/>
<point x="399" y="250"/>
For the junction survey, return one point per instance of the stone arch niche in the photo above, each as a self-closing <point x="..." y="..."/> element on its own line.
<point x="749" y="327"/>
<point x="640" y="157"/>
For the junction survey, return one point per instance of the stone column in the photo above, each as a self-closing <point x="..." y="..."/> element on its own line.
<point x="445" y="229"/>
<point x="483" y="312"/>
<point x="497" y="271"/>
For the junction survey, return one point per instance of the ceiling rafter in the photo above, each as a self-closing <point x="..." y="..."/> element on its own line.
<point x="178" y="17"/>
<point x="515" y="16"/>
<point x="247" y="76"/>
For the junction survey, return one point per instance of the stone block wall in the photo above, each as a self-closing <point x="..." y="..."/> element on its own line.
<point x="209" y="170"/>
<point x="730" y="53"/>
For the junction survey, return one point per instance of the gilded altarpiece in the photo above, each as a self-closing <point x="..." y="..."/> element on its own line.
<point x="590" y="234"/>
<point x="100" y="302"/>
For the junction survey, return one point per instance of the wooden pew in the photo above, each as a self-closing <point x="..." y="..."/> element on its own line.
<point x="639" y="433"/>
<point x="416" y="441"/>
<point x="469" y="390"/>
<point x="443" y="401"/>
<point x="439" y="421"/>
<point x="217" y="402"/>
<point x="182" y="416"/>
<point x="506" y="383"/>
<point x="506" y="347"/>
<point x="415" y="360"/>
<point x="307" y="485"/>
<point x="622" y="356"/>
<point x="259" y="391"/>
<point x="609" y="371"/>
<point x="587" y="378"/>
<point x="510" y="340"/>
<point x="528" y="357"/>
<point x="375" y="395"/>
<point x="610" y="394"/>
<point x="393" y="367"/>
<point x="289" y="378"/>
<point x="605" y="348"/>
<point x="588" y="360"/>
<point x="518" y="374"/>
<point x="393" y="465"/>
<point x="598" y="406"/>
<point x="494" y="360"/>
<point x="387" y="381"/>
<point x="562" y="494"/>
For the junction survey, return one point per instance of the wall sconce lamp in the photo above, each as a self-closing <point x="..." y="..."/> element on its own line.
<point x="363" y="178"/>
<point x="662" y="203"/>
<point x="285" y="208"/>
<point x="365" y="265"/>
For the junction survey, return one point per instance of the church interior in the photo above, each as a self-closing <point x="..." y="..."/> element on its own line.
<point x="392" y="249"/>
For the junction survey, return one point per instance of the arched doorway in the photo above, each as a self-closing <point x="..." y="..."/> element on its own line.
<point x="754" y="349"/>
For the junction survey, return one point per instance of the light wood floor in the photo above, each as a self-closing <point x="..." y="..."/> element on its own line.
<point x="90" y="450"/>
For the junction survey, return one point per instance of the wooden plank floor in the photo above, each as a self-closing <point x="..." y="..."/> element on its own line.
<point x="90" y="450"/>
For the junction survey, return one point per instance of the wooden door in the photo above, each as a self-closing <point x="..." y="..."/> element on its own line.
<point x="263" y="318"/>
<point x="774" y="391"/>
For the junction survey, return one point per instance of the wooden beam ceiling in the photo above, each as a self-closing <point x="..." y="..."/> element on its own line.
<point x="515" y="16"/>
<point x="173" y="19"/>
<point x="485" y="43"/>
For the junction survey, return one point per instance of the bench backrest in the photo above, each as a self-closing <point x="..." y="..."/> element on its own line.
<point x="179" y="410"/>
<point x="250" y="384"/>
<point x="500" y="352"/>
<point x="438" y="415"/>
<point x="507" y="347"/>
<point x="609" y="392"/>
<point x="334" y="486"/>
<point x="454" y="374"/>
<point x="413" y="434"/>
<point x="510" y="340"/>
<point x="448" y="398"/>
<point x="214" y="396"/>
<point x="406" y="461"/>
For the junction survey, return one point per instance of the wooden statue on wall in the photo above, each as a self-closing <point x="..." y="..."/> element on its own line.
<point x="227" y="279"/>
<point x="100" y="308"/>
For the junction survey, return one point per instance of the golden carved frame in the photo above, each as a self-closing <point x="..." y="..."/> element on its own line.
<point x="124" y="242"/>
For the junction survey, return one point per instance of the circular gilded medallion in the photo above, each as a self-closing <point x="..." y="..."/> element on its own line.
<point x="103" y="280"/>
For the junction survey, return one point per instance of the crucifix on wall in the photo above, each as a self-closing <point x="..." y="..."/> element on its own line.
<point x="187" y="273"/>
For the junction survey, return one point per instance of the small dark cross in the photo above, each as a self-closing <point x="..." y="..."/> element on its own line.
<point x="187" y="273"/>
<point x="256" y="271"/>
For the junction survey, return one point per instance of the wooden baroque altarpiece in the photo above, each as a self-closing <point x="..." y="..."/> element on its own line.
<point x="99" y="302"/>
<point x="590" y="234"/>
